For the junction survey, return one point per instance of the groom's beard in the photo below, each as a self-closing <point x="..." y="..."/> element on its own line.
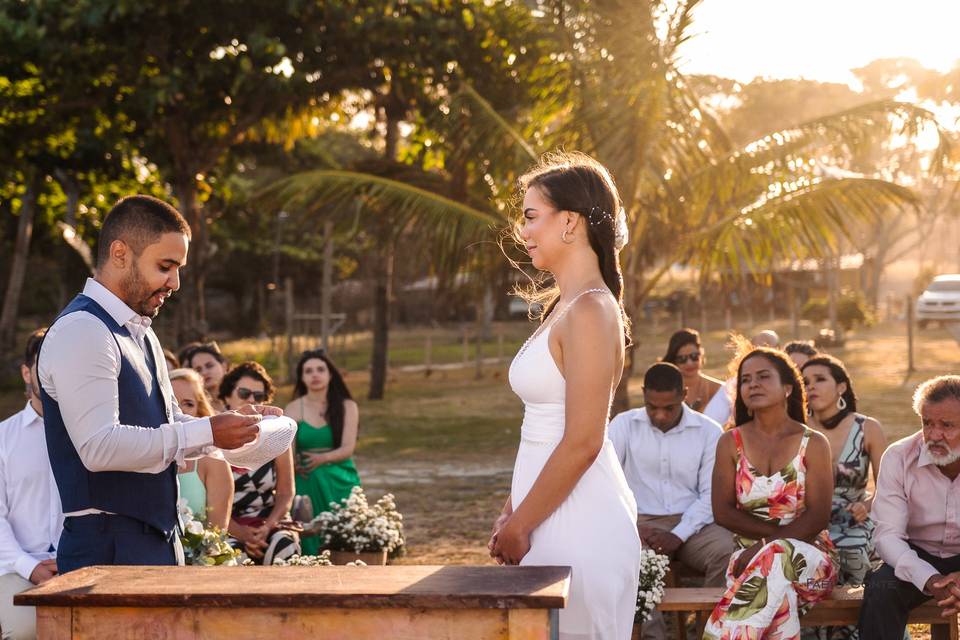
<point x="136" y="294"/>
<point x="942" y="459"/>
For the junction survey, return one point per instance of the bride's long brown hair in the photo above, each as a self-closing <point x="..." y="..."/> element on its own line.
<point x="576" y="182"/>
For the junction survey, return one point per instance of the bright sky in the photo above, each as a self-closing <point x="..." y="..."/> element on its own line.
<point x="819" y="39"/>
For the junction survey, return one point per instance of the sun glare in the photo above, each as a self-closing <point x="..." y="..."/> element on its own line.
<point x="818" y="39"/>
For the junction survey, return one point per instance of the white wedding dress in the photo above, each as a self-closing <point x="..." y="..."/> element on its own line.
<point x="594" y="530"/>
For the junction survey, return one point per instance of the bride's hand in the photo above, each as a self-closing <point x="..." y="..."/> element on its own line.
<point x="511" y="543"/>
<point x="497" y="525"/>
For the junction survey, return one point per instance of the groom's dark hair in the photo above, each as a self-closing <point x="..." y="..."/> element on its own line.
<point x="138" y="221"/>
<point x="663" y="376"/>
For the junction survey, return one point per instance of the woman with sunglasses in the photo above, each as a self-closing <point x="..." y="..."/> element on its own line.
<point x="260" y="521"/>
<point x="685" y="351"/>
<point x="327" y="424"/>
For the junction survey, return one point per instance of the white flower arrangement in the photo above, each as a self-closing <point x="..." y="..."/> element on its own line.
<point x="322" y="560"/>
<point x="653" y="570"/>
<point x="353" y="525"/>
<point x="202" y="546"/>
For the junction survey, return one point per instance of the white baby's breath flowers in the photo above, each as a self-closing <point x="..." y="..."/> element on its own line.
<point x="354" y="525"/>
<point x="653" y="570"/>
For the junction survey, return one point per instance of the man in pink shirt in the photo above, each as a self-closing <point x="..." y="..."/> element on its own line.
<point x="916" y="508"/>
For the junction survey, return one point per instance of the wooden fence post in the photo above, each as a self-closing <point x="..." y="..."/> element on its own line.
<point x="910" y="367"/>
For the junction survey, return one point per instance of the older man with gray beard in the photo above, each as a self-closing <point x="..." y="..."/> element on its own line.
<point x="916" y="507"/>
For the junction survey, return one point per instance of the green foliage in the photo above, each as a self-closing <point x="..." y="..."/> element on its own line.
<point x="852" y="310"/>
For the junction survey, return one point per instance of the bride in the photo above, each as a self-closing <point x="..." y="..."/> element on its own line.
<point x="569" y="503"/>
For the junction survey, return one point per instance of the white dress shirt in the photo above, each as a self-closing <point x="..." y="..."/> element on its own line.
<point x="30" y="517"/>
<point x="79" y="366"/>
<point x="669" y="473"/>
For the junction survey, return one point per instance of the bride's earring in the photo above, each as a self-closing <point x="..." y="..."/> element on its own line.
<point x="841" y="404"/>
<point x="563" y="238"/>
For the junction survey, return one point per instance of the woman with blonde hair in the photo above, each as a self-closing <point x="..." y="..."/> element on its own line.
<point x="206" y="484"/>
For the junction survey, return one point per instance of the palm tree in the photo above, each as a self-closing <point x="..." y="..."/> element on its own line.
<point x="690" y="196"/>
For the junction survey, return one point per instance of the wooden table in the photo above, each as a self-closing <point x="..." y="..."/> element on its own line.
<point x="314" y="603"/>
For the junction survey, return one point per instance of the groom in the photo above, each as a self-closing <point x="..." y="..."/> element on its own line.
<point x="113" y="428"/>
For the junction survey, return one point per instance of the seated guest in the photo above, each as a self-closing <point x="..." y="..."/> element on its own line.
<point x="800" y="351"/>
<point x="171" y="360"/>
<point x="206" y="484"/>
<point x="720" y="407"/>
<point x="772" y="486"/>
<point x="667" y="450"/>
<point x="857" y="442"/>
<point x="327" y="424"/>
<point x="207" y="360"/>
<point x="915" y="509"/>
<point x="686" y="352"/>
<point x="260" y="521"/>
<point x="30" y="516"/>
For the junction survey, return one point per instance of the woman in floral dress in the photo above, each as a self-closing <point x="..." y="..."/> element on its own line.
<point x="777" y="507"/>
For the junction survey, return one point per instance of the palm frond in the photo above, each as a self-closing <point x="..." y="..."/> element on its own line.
<point x="806" y="221"/>
<point x="333" y="191"/>
<point x="486" y="111"/>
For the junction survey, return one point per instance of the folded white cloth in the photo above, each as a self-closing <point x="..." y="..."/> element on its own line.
<point x="276" y="435"/>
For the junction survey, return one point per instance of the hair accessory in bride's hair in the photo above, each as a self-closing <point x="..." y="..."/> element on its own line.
<point x="621" y="233"/>
<point x="598" y="215"/>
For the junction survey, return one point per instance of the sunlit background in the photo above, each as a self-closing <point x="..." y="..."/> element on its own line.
<point x="819" y="39"/>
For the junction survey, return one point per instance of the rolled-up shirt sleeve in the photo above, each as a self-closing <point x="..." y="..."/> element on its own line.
<point x="79" y="368"/>
<point x="890" y="511"/>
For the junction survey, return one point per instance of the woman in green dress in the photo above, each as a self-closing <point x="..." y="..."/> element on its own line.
<point x="327" y="423"/>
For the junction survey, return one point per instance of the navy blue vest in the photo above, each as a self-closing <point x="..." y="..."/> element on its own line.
<point x="148" y="497"/>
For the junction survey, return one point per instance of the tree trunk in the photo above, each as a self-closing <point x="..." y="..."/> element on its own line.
<point x="393" y="112"/>
<point x="832" y="293"/>
<point x="18" y="270"/>
<point x="185" y="190"/>
<point x="382" y="294"/>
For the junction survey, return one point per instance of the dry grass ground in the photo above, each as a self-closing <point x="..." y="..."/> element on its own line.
<point x="444" y="444"/>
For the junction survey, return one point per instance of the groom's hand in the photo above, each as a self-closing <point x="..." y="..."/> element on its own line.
<point x="232" y="430"/>
<point x="260" y="410"/>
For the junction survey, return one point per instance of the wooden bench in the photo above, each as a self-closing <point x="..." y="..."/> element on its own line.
<point x="841" y="608"/>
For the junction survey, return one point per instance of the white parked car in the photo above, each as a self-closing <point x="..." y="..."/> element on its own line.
<point x="940" y="301"/>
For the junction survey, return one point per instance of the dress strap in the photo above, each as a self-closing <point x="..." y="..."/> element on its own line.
<point x="803" y="443"/>
<point x="738" y="440"/>
<point x="563" y="311"/>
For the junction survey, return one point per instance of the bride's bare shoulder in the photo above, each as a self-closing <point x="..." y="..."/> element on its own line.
<point x="597" y="311"/>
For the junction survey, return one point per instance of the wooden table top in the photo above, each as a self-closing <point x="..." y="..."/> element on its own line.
<point x="407" y="586"/>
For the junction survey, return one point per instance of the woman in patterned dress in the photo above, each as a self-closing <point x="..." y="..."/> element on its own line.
<point x="777" y="507"/>
<point x="260" y="521"/>
<point x="857" y="442"/>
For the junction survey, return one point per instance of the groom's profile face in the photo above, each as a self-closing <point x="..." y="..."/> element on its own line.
<point x="153" y="275"/>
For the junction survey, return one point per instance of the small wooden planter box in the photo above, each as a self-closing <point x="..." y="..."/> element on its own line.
<point x="280" y="603"/>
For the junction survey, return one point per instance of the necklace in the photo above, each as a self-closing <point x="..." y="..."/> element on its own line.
<point x="697" y="400"/>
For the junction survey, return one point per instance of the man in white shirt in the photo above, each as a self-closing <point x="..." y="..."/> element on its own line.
<point x="114" y="431"/>
<point x="30" y="516"/>
<point x="667" y="451"/>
